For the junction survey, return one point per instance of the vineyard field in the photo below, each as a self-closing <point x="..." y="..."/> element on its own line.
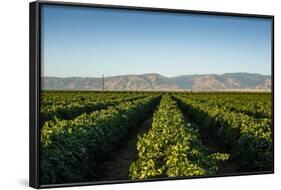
<point x="138" y="135"/>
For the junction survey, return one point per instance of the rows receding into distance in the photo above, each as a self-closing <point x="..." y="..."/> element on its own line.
<point x="190" y="134"/>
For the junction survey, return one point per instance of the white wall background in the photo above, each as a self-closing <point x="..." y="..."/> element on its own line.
<point x="14" y="48"/>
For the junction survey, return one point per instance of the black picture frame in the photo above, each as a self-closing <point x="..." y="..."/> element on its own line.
<point x="35" y="86"/>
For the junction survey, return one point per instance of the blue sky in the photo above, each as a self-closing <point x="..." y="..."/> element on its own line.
<point x="89" y="42"/>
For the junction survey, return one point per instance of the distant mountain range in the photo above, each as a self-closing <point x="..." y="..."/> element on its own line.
<point x="154" y="81"/>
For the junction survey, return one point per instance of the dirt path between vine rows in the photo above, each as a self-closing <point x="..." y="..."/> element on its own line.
<point x="116" y="166"/>
<point x="213" y="146"/>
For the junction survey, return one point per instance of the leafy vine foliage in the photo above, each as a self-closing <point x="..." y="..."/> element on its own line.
<point x="80" y="129"/>
<point x="172" y="147"/>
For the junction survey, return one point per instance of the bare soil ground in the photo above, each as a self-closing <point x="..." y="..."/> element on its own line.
<point x="116" y="167"/>
<point x="213" y="146"/>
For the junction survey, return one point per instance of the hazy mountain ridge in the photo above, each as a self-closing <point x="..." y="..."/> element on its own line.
<point x="154" y="81"/>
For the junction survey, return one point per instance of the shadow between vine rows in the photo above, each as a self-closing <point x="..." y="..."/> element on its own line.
<point x="116" y="166"/>
<point x="212" y="145"/>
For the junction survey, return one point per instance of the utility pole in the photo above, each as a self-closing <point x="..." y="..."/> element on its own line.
<point x="102" y="82"/>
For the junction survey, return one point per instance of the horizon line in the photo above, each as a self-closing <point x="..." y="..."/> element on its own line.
<point x="106" y="76"/>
